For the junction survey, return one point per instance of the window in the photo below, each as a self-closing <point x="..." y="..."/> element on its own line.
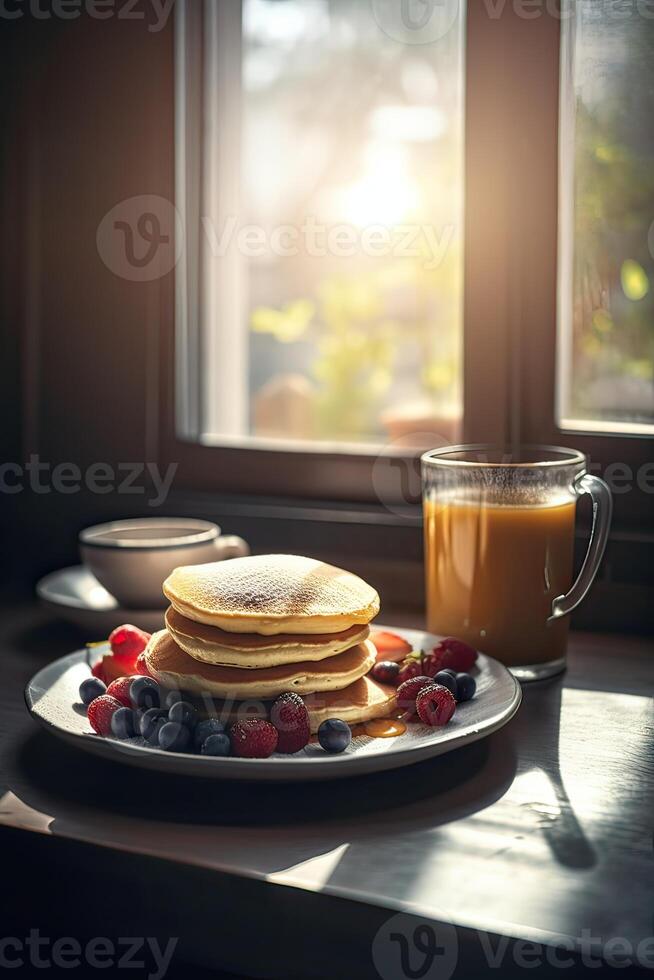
<point x="322" y="164"/>
<point x="292" y="369"/>
<point x="606" y="312"/>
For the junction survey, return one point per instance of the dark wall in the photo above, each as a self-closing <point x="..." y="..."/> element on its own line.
<point x="86" y="123"/>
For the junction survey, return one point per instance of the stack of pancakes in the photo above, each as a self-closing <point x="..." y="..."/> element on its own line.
<point x="250" y="629"/>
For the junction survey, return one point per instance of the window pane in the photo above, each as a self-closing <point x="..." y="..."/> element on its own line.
<point x="607" y="207"/>
<point x="350" y="227"/>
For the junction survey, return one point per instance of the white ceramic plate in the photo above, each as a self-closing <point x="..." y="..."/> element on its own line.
<point x="52" y="698"/>
<point x="75" y="595"/>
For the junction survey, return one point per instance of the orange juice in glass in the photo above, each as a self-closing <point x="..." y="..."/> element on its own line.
<point x="499" y="542"/>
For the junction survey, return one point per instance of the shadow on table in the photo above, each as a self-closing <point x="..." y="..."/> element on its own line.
<point x="60" y="780"/>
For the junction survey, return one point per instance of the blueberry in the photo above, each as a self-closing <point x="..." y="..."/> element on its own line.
<point x="150" y="722"/>
<point x="448" y="670"/>
<point x="144" y="692"/>
<point x="90" y="689"/>
<point x="334" y="735"/>
<point x="174" y="737"/>
<point x="183" y="713"/>
<point x="122" y="723"/>
<point x="172" y="697"/>
<point x="447" y="679"/>
<point x="216" y="745"/>
<point x="203" y="729"/>
<point x="465" y="687"/>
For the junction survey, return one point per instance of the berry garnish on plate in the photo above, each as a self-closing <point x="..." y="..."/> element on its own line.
<point x="144" y="692"/>
<point x="90" y="689"/>
<point x="183" y="713"/>
<point x="411" y="666"/>
<point x="141" y="665"/>
<point x="150" y="723"/>
<point x="386" y="671"/>
<point x="174" y="737"/>
<point x="218" y="744"/>
<point x="126" y="643"/>
<point x="389" y="646"/>
<point x="409" y="690"/>
<point x="100" y="713"/>
<point x="253" y="738"/>
<point x="435" y="705"/>
<point x="119" y="689"/>
<point x="455" y="654"/>
<point x="334" y="735"/>
<point x="465" y="687"/>
<point x="205" y="729"/>
<point x="447" y="679"/>
<point x="290" y="717"/>
<point x="123" y="723"/>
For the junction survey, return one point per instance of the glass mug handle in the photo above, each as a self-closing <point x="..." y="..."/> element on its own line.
<point x="599" y="533"/>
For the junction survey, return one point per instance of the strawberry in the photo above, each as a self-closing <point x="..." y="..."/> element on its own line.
<point x="290" y="717"/>
<point x="409" y="691"/>
<point x="453" y="653"/>
<point x="390" y="646"/>
<point x="435" y="705"/>
<point x="253" y="738"/>
<point x="101" y="711"/>
<point x="110" y="669"/>
<point x="119" y="689"/>
<point x="126" y="643"/>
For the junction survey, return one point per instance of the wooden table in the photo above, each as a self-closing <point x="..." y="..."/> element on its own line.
<point x="541" y="834"/>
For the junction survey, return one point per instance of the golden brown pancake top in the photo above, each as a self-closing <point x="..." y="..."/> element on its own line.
<point x="289" y="588"/>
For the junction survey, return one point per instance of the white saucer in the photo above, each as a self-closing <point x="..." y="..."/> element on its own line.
<point x="52" y="697"/>
<point x="75" y="595"/>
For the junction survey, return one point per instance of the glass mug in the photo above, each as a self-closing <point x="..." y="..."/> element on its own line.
<point x="499" y="544"/>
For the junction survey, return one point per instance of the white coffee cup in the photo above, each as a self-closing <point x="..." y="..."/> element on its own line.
<point x="132" y="558"/>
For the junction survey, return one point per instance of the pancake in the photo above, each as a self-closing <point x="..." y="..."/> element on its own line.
<point x="360" y="701"/>
<point x="271" y="595"/>
<point x="253" y="650"/>
<point x="170" y="665"/>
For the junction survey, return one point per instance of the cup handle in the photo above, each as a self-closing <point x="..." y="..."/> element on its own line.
<point x="231" y="546"/>
<point x="599" y="533"/>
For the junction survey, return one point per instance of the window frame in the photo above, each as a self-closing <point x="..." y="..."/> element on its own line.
<point x="510" y="287"/>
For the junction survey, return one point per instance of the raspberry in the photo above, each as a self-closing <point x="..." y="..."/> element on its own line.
<point x="435" y="705"/>
<point x="119" y="689"/>
<point x="98" y="669"/>
<point x="100" y="713"/>
<point x="253" y="739"/>
<point x="390" y="646"/>
<point x="290" y="717"/>
<point x="409" y="691"/>
<point x="126" y="643"/>
<point x="453" y="653"/>
<point x="411" y="667"/>
<point x="141" y="665"/>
